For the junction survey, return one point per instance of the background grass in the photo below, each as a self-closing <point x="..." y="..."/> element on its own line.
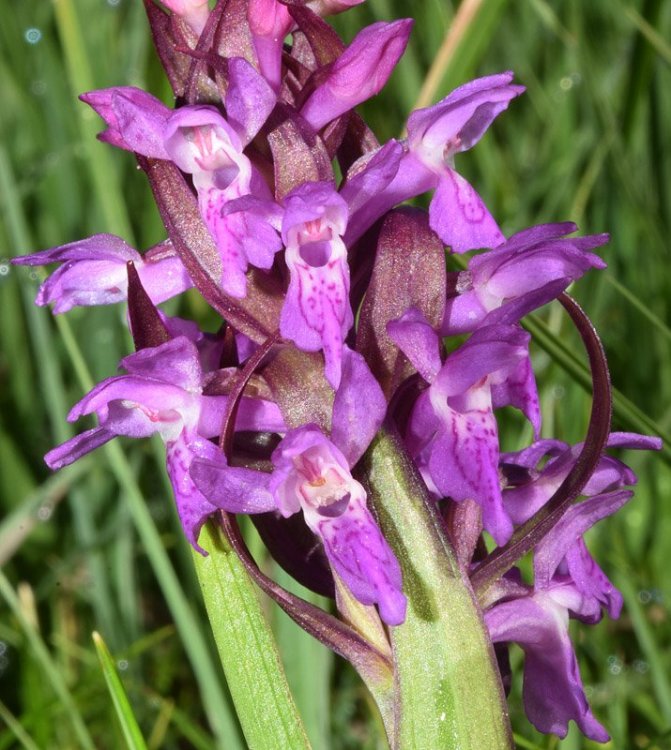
<point x="98" y="546"/>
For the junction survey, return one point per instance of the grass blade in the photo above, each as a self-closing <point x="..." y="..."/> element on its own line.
<point x="124" y="711"/>
<point x="47" y="664"/>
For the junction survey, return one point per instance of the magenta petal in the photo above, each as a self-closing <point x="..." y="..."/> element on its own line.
<point x="592" y="582"/>
<point x="458" y="121"/>
<point x="459" y="217"/>
<point x="317" y="312"/>
<point x="136" y="121"/>
<point x="235" y="490"/>
<point x="192" y="506"/>
<point x="493" y="350"/>
<point x="175" y="363"/>
<point x="72" y="450"/>
<point x="518" y="389"/>
<point x="571" y="527"/>
<point x="269" y="23"/>
<point x="361" y="556"/>
<point x="359" y="73"/>
<point x="358" y="408"/>
<point x="249" y="99"/>
<point x="228" y="231"/>
<point x="553" y="692"/>
<point x="464" y="461"/>
<point x="418" y="341"/>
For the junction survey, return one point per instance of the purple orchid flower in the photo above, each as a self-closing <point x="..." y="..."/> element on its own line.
<point x="162" y="393"/>
<point x="435" y="134"/>
<point x="452" y="433"/>
<point x="605" y="495"/>
<point x="202" y="143"/>
<point x="93" y="272"/>
<point x="317" y="313"/>
<point x="312" y="219"/>
<point x="553" y="692"/>
<point x="566" y="582"/>
<point x="311" y="473"/>
<point x="526" y="272"/>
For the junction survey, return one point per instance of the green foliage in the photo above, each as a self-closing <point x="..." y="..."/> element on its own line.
<point x="100" y="548"/>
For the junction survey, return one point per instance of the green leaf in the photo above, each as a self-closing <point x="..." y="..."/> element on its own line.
<point x="449" y="694"/>
<point x="247" y="649"/>
<point x="124" y="711"/>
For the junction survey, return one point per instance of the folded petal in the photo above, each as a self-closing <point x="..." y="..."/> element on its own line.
<point x="418" y="341"/>
<point x="459" y="217"/>
<point x="459" y="120"/>
<point x="249" y="98"/>
<point x="136" y="121"/>
<point x="358" y="408"/>
<point x="317" y="313"/>
<point x="72" y="450"/>
<point x="359" y="73"/>
<point x="193" y="507"/>
<point x="235" y="490"/>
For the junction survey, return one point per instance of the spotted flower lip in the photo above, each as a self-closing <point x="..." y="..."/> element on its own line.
<point x="452" y="432"/>
<point x="317" y="313"/>
<point x="311" y="473"/>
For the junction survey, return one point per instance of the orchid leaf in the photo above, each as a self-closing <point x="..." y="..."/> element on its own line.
<point x="247" y="649"/>
<point x="372" y="664"/>
<point x="452" y="698"/>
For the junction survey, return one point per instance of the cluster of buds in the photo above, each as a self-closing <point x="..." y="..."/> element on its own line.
<point x="337" y="311"/>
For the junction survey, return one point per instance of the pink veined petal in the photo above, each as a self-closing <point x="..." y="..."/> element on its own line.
<point x="361" y="556"/>
<point x="317" y="312"/>
<point x="459" y="217"/>
<point x="464" y="460"/>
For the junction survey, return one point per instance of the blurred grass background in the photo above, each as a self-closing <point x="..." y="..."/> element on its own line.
<point x="98" y="546"/>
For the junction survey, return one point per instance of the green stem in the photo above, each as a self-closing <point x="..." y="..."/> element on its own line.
<point x="448" y="690"/>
